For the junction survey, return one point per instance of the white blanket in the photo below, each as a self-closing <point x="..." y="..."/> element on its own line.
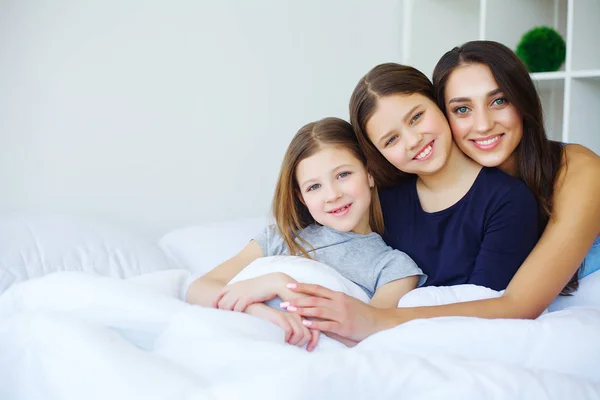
<point x="72" y="336"/>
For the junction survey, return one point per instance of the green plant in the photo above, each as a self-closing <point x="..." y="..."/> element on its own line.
<point x="542" y="49"/>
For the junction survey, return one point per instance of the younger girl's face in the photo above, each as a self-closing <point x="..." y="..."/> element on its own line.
<point x="336" y="188"/>
<point x="411" y="132"/>
<point x="486" y="127"/>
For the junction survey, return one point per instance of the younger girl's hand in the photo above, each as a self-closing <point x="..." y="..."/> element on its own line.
<point x="295" y="332"/>
<point x="237" y="296"/>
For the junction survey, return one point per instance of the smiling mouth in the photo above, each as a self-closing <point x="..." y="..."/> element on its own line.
<point x="340" y="210"/>
<point x="425" y="152"/>
<point x="487" y="142"/>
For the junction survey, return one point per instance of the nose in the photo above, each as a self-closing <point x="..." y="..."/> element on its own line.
<point x="333" y="193"/>
<point x="483" y="121"/>
<point x="413" y="139"/>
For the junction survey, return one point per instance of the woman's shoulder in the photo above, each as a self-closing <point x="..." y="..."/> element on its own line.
<point x="579" y="154"/>
<point x="579" y="164"/>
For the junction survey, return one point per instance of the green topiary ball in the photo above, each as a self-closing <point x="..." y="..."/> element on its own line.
<point x="542" y="49"/>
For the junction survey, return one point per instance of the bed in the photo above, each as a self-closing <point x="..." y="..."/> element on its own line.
<point x="90" y="311"/>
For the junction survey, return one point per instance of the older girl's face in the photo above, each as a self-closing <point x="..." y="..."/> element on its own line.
<point x="411" y="132"/>
<point x="486" y="127"/>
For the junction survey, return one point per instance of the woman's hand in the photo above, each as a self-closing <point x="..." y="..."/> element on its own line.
<point x="237" y="296"/>
<point x="336" y="312"/>
<point x="292" y="324"/>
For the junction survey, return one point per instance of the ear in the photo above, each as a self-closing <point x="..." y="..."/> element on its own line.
<point x="371" y="181"/>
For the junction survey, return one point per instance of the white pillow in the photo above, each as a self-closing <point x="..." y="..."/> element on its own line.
<point x="35" y="245"/>
<point x="588" y="294"/>
<point x="201" y="248"/>
<point x="303" y="270"/>
<point x="440" y="295"/>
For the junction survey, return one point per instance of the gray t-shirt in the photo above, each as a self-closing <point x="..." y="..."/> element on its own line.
<point x="364" y="259"/>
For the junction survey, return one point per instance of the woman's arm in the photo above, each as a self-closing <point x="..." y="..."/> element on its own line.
<point x="574" y="224"/>
<point x="204" y="290"/>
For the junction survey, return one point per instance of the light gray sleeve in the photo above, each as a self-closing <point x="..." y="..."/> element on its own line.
<point x="397" y="265"/>
<point x="271" y="242"/>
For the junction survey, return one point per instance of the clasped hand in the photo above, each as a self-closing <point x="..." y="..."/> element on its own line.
<point x="246" y="296"/>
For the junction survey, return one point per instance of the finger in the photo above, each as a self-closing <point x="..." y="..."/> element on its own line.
<point x="323" y="326"/>
<point x="323" y="313"/>
<point x="217" y="299"/>
<point x="309" y="302"/>
<point x="241" y="305"/>
<point x="311" y="289"/>
<point x="297" y="332"/>
<point x="287" y="329"/>
<point x="314" y="340"/>
<point x="227" y="302"/>
<point x="306" y="336"/>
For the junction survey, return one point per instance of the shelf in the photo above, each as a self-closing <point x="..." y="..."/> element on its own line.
<point x="586" y="30"/>
<point x="570" y="96"/>
<point x="546" y="76"/>
<point x="523" y="16"/>
<point x="552" y="94"/>
<point x="586" y="74"/>
<point x="585" y="119"/>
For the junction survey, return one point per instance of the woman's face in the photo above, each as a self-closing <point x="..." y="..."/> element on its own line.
<point x="411" y="132"/>
<point x="486" y="127"/>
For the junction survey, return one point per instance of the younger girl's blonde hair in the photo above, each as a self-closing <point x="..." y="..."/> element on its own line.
<point x="291" y="215"/>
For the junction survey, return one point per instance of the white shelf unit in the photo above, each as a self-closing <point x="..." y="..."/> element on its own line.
<point x="570" y="96"/>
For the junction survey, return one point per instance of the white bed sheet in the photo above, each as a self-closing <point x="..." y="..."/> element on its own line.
<point x="73" y="336"/>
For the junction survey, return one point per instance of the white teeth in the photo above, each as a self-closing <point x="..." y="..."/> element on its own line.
<point x="424" y="153"/>
<point x="340" y="210"/>
<point x="489" y="141"/>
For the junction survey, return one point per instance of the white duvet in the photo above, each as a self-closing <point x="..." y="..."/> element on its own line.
<point x="75" y="336"/>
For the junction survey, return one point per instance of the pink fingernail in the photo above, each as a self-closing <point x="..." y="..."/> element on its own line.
<point x="306" y="323"/>
<point x="284" y="304"/>
<point x="291" y="308"/>
<point x="291" y="286"/>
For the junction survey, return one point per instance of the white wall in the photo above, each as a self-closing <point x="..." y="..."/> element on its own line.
<point x="155" y="114"/>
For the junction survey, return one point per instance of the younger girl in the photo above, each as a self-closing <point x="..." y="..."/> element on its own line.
<point x="326" y="207"/>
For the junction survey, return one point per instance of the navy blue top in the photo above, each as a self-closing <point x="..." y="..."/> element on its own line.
<point x="482" y="239"/>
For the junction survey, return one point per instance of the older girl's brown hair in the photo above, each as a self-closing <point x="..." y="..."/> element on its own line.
<point x="291" y="215"/>
<point x="538" y="158"/>
<point x="383" y="80"/>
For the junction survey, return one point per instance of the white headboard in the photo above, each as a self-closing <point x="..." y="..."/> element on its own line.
<point x="156" y="115"/>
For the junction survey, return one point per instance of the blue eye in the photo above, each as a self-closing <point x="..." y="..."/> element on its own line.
<point x="461" y="110"/>
<point x="342" y="175"/>
<point x="416" y="118"/>
<point x="390" y="141"/>
<point x="313" y="187"/>
<point x="500" y="101"/>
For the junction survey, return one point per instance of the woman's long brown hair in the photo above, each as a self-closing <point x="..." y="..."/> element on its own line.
<point x="291" y="215"/>
<point x="539" y="159"/>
